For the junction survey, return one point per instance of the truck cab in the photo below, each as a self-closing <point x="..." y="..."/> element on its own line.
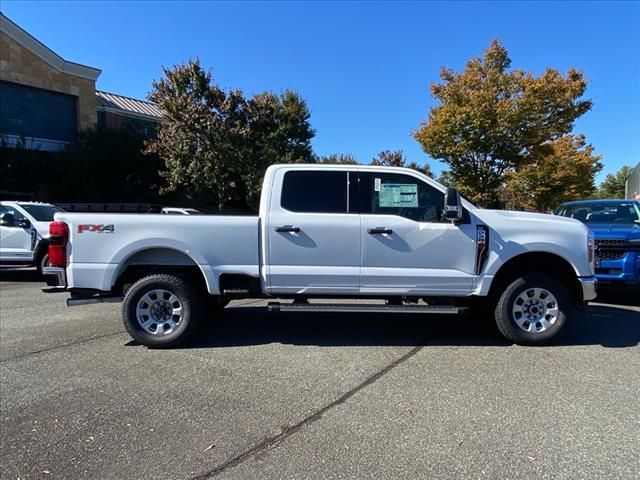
<point x="24" y="233"/>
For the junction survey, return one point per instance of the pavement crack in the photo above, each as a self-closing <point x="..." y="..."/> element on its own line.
<point x="287" y="432"/>
<point x="58" y="347"/>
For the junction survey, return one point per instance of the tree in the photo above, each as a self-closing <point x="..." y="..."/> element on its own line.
<point x="396" y="158"/>
<point x="338" y="158"/>
<point x="490" y="119"/>
<point x="613" y="186"/>
<point x="215" y="143"/>
<point x="555" y="172"/>
<point x="279" y="132"/>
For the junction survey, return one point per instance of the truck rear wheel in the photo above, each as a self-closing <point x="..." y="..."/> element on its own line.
<point x="161" y="311"/>
<point x="533" y="309"/>
<point x="42" y="262"/>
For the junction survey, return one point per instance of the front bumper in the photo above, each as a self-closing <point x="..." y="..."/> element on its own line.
<point x="589" y="287"/>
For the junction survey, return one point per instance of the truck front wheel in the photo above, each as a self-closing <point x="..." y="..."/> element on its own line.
<point x="533" y="309"/>
<point x="161" y="310"/>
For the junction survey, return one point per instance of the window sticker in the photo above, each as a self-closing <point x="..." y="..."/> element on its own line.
<point x="398" y="195"/>
<point x="376" y="184"/>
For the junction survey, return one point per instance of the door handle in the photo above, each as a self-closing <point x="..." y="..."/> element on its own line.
<point x="288" y="228"/>
<point x="379" y="231"/>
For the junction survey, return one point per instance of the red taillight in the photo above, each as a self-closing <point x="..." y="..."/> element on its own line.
<point x="58" y="239"/>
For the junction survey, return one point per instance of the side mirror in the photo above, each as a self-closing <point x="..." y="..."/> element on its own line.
<point x="452" y="205"/>
<point x="6" y="220"/>
<point x="24" y="223"/>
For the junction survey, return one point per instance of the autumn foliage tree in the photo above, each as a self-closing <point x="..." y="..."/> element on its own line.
<point x="337" y="159"/>
<point x="396" y="158"/>
<point x="555" y="172"/>
<point x="492" y="120"/>
<point x="216" y="143"/>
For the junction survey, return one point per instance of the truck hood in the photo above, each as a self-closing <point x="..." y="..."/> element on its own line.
<point x="529" y="217"/>
<point x="618" y="230"/>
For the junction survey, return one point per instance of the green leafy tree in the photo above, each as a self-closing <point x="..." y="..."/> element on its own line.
<point x="216" y="143"/>
<point x="491" y="118"/>
<point x="396" y="158"/>
<point x="555" y="172"/>
<point x="613" y="186"/>
<point x="337" y="158"/>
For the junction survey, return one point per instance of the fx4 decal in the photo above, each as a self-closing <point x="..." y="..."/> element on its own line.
<point x="96" y="228"/>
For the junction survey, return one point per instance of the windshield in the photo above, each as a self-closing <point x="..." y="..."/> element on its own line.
<point x="41" y="213"/>
<point x="609" y="212"/>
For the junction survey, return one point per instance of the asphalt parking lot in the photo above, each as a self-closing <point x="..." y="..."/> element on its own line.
<point x="314" y="396"/>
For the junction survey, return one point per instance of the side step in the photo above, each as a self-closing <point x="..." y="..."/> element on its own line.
<point x="364" y="308"/>
<point x="75" y="301"/>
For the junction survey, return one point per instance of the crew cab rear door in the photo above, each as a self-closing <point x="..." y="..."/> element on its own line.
<point x="407" y="249"/>
<point x="312" y="237"/>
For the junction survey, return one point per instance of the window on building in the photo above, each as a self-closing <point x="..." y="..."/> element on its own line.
<point x="33" y="112"/>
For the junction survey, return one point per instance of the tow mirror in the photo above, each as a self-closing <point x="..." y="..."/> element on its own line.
<point x="6" y="220"/>
<point x="452" y="205"/>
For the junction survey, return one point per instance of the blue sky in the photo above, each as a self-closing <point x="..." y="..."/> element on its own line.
<point x="364" y="68"/>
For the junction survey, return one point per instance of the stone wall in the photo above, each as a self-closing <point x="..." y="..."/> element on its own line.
<point x="19" y="65"/>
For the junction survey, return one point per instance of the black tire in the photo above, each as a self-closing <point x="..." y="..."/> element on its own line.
<point x="188" y="298"/>
<point x="505" y="316"/>
<point x="42" y="262"/>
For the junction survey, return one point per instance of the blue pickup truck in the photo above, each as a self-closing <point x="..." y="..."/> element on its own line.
<point x="616" y="227"/>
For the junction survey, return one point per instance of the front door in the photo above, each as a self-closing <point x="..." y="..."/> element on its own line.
<point x="313" y="238"/>
<point x="16" y="242"/>
<point x="407" y="249"/>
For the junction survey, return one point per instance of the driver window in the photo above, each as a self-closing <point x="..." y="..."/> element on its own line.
<point x="402" y="195"/>
<point x="17" y="216"/>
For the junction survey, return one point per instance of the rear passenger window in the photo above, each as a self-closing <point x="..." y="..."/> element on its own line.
<point x="315" y="192"/>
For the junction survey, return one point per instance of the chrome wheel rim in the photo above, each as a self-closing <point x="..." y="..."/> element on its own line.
<point x="535" y="310"/>
<point x="159" y="312"/>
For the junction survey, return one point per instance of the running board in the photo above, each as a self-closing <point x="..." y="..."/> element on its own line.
<point x="75" y="301"/>
<point x="364" y="308"/>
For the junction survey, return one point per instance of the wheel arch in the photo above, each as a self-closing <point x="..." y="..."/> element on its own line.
<point x="162" y="259"/>
<point x="538" y="262"/>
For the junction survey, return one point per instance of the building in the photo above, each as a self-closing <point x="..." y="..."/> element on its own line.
<point x="45" y="100"/>
<point x="117" y="111"/>
<point x="632" y="187"/>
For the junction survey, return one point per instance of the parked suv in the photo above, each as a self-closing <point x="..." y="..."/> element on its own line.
<point x="616" y="227"/>
<point x="24" y="233"/>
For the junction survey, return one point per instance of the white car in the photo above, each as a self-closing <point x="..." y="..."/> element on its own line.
<point x="338" y="231"/>
<point x="180" y="211"/>
<point x="24" y="233"/>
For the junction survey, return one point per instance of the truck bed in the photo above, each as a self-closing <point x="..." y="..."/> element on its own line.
<point x="100" y="244"/>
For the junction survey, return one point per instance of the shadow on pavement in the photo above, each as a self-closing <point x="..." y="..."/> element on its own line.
<point x="630" y="297"/>
<point x="21" y="274"/>
<point x="244" y="326"/>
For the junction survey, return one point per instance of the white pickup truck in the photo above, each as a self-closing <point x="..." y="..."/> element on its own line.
<point x="334" y="231"/>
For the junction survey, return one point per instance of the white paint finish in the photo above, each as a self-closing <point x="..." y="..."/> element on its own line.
<point x="15" y="242"/>
<point x="417" y="258"/>
<point x="332" y="253"/>
<point x="217" y="242"/>
<point x="515" y="233"/>
<point x="323" y="257"/>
